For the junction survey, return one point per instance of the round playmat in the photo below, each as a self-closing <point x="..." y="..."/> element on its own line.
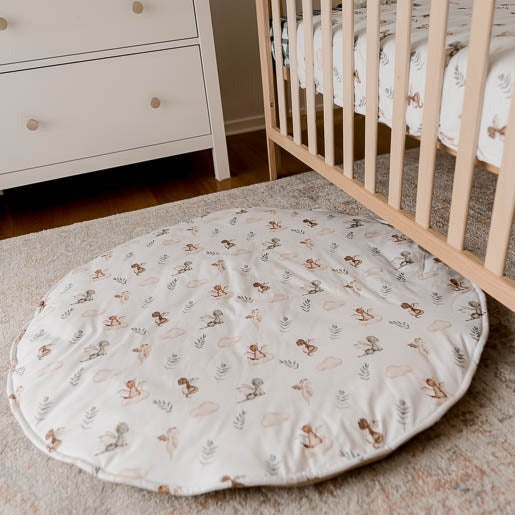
<point x="247" y="347"/>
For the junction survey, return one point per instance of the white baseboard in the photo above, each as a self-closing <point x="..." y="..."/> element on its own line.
<point x="255" y="123"/>
<point x="241" y="125"/>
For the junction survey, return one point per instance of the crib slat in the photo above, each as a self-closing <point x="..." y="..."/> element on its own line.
<point x="432" y="105"/>
<point x="504" y="204"/>
<point x="372" y="87"/>
<point x="400" y="93"/>
<point x="481" y="28"/>
<point x="291" y="10"/>
<point x="267" y="72"/>
<point x="278" y="49"/>
<point x="348" y="88"/>
<point x="307" y="8"/>
<point x="327" y="47"/>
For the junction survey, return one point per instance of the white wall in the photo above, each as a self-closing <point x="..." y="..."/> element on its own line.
<point x="236" y="39"/>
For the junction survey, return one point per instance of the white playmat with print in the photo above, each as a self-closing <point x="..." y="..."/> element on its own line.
<point x="247" y="347"/>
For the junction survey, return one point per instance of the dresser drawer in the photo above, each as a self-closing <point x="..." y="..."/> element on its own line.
<point x="62" y="113"/>
<point x="34" y="29"/>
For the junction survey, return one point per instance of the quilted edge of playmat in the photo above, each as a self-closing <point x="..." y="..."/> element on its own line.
<point x="267" y="481"/>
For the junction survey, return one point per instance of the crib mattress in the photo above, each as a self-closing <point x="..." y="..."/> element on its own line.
<point x="499" y="83"/>
<point x="247" y="347"/>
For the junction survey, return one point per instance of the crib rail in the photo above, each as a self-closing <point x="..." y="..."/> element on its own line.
<point x="489" y="273"/>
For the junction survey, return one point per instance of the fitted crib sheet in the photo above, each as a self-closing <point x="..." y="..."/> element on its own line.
<point x="499" y="83"/>
<point x="248" y="347"/>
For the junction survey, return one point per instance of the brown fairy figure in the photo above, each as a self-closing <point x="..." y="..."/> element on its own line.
<point x="185" y="267"/>
<point x="99" y="274"/>
<point x="304" y="387"/>
<point x="143" y="351"/>
<point x="313" y="287"/>
<point x="453" y="48"/>
<point x="473" y="309"/>
<point x="44" y="351"/>
<point x="219" y="291"/>
<point x="418" y="344"/>
<point x="308" y="242"/>
<point x="434" y="389"/>
<point x="412" y="309"/>
<point x="272" y="244"/>
<point x="122" y="296"/>
<point x="458" y="285"/>
<point x="354" y="261"/>
<point x="257" y="353"/>
<point x="228" y="244"/>
<point x="255" y="316"/>
<point x="87" y="296"/>
<point x="399" y="238"/>
<point x="138" y="268"/>
<point x="355" y="223"/>
<point x="364" y="315"/>
<point x="234" y="481"/>
<point x="220" y="264"/>
<point x="405" y="259"/>
<point x="310" y="439"/>
<point x="369" y="347"/>
<point x="312" y="264"/>
<point x="310" y="223"/>
<point x="132" y="390"/>
<point x="191" y="247"/>
<point x="95" y="351"/>
<point x="274" y="225"/>
<point x="415" y="100"/>
<point x="160" y="318"/>
<point x="113" y="441"/>
<point x="354" y="286"/>
<point x="261" y="287"/>
<point x="213" y="320"/>
<point x="114" y="321"/>
<point x="253" y="390"/>
<point x="372" y="436"/>
<point x="53" y="437"/>
<point x="188" y="388"/>
<point x="171" y="439"/>
<point x="16" y="397"/>
<point x="307" y="346"/>
<point x="496" y="129"/>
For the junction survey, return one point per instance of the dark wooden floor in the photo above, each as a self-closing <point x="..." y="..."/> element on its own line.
<point x="93" y="195"/>
<point x="85" y="197"/>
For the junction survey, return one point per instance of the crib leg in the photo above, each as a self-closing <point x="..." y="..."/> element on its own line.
<point x="274" y="159"/>
<point x="1" y="193"/>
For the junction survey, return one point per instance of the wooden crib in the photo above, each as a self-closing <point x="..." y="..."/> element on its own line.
<point x="284" y="121"/>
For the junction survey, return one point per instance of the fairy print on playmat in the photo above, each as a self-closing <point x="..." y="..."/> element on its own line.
<point x="187" y="352"/>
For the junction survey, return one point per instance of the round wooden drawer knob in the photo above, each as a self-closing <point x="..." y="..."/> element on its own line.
<point x="155" y="102"/>
<point x="137" y="7"/>
<point x="32" y="125"/>
<point x="3" y="24"/>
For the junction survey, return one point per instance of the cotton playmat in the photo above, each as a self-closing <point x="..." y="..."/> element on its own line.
<point x="247" y="347"/>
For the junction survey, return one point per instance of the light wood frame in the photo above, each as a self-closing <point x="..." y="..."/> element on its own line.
<point x="488" y="274"/>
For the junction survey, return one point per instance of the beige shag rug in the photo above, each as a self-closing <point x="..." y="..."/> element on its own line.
<point x="463" y="464"/>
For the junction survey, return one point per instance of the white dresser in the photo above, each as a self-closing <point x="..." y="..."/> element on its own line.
<point x="91" y="85"/>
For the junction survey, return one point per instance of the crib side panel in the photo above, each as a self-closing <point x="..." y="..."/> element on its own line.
<point x="324" y="155"/>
